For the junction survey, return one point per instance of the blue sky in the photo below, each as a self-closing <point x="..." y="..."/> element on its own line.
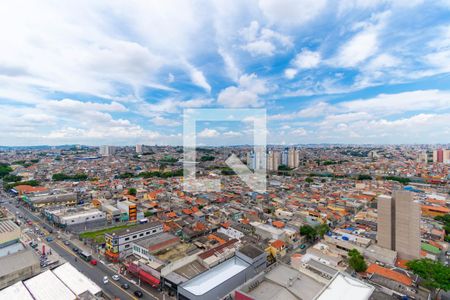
<point x="122" y="72"/>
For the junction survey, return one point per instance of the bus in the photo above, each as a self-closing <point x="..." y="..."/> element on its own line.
<point x="86" y="256"/>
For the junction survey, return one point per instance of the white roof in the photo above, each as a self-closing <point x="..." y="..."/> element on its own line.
<point x="75" y="280"/>
<point x="47" y="286"/>
<point x="16" y="291"/>
<point x="210" y="279"/>
<point x="344" y="287"/>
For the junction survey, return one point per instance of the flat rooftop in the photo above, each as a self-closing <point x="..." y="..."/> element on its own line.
<point x="284" y="282"/>
<point x="210" y="279"/>
<point x="133" y="229"/>
<point x="251" y="251"/>
<point x="163" y="239"/>
<point x="8" y="226"/>
<point x="47" y="286"/>
<point x="17" y="261"/>
<point x="191" y="270"/>
<point x="16" y="291"/>
<point x="346" y="287"/>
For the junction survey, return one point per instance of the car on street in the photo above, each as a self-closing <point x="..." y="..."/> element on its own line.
<point x="75" y="249"/>
<point x="138" y="294"/>
<point x="67" y="243"/>
<point x="105" y="280"/>
<point x="49" y="239"/>
<point x="93" y="262"/>
<point x="115" y="277"/>
<point x="125" y="286"/>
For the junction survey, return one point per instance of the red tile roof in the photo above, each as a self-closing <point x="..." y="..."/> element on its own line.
<point x="390" y="274"/>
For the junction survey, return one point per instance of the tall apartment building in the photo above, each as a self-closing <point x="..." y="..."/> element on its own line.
<point x="106" y="150"/>
<point x="293" y="158"/>
<point x="256" y="160"/>
<point x="273" y="160"/>
<point x="139" y="148"/>
<point x="399" y="224"/>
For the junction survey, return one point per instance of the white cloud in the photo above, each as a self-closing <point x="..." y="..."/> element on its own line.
<point x="291" y="12"/>
<point x="232" y="69"/>
<point x="357" y="49"/>
<point x="161" y="121"/>
<point x="198" y="78"/>
<point x="263" y="41"/>
<point x="232" y="134"/>
<point x="208" y="133"/>
<point x="290" y="73"/>
<point x="246" y="94"/>
<point x="307" y="59"/>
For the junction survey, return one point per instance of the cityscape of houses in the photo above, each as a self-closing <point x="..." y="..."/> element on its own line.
<point x="336" y="222"/>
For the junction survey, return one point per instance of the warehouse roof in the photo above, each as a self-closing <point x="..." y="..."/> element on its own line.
<point x="47" y="286"/>
<point x="16" y="291"/>
<point x="346" y="287"/>
<point x="75" y="280"/>
<point x="212" y="278"/>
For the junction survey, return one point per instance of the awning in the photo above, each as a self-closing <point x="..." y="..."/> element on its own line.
<point x="144" y="276"/>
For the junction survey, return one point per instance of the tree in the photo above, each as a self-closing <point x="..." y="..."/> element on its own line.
<point x="132" y="191"/>
<point x="435" y="275"/>
<point x="322" y="229"/>
<point x="309" y="180"/>
<point x="356" y="261"/>
<point x="309" y="232"/>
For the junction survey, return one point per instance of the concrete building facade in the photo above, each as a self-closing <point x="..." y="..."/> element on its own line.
<point x="399" y="224"/>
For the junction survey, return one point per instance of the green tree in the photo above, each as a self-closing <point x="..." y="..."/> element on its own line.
<point x="435" y="275"/>
<point x="12" y="178"/>
<point x="309" y="232"/>
<point x="132" y="191"/>
<point x="356" y="261"/>
<point x="309" y="180"/>
<point x="322" y="229"/>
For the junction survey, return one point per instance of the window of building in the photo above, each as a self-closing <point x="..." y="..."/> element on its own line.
<point x="141" y="234"/>
<point x="127" y="239"/>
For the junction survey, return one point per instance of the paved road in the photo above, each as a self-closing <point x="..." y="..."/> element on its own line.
<point x="95" y="273"/>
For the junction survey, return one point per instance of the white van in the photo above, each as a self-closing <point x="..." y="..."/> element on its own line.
<point x="105" y="280"/>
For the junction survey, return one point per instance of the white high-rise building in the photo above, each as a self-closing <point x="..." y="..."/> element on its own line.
<point x="106" y="150"/>
<point x="256" y="160"/>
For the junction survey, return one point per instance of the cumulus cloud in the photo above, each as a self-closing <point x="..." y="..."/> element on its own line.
<point x="263" y="41"/>
<point x="292" y="12"/>
<point x="246" y="94"/>
<point x="208" y="133"/>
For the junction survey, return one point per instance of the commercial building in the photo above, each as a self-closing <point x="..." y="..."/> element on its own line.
<point x="18" y="266"/>
<point x="399" y="224"/>
<point x="128" y="210"/>
<point x="76" y="219"/>
<point x="9" y="233"/>
<point x="155" y="243"/>
<point x="222" y="279"/>
<point x="118" y="244"/>
<point x="38" y="202"/>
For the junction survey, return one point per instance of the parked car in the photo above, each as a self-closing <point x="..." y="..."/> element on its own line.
<point x="67" y="243"/>
<point x="115" y="277"/>
<point x="138" y="294"/>
<point x="93" y="262"/>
